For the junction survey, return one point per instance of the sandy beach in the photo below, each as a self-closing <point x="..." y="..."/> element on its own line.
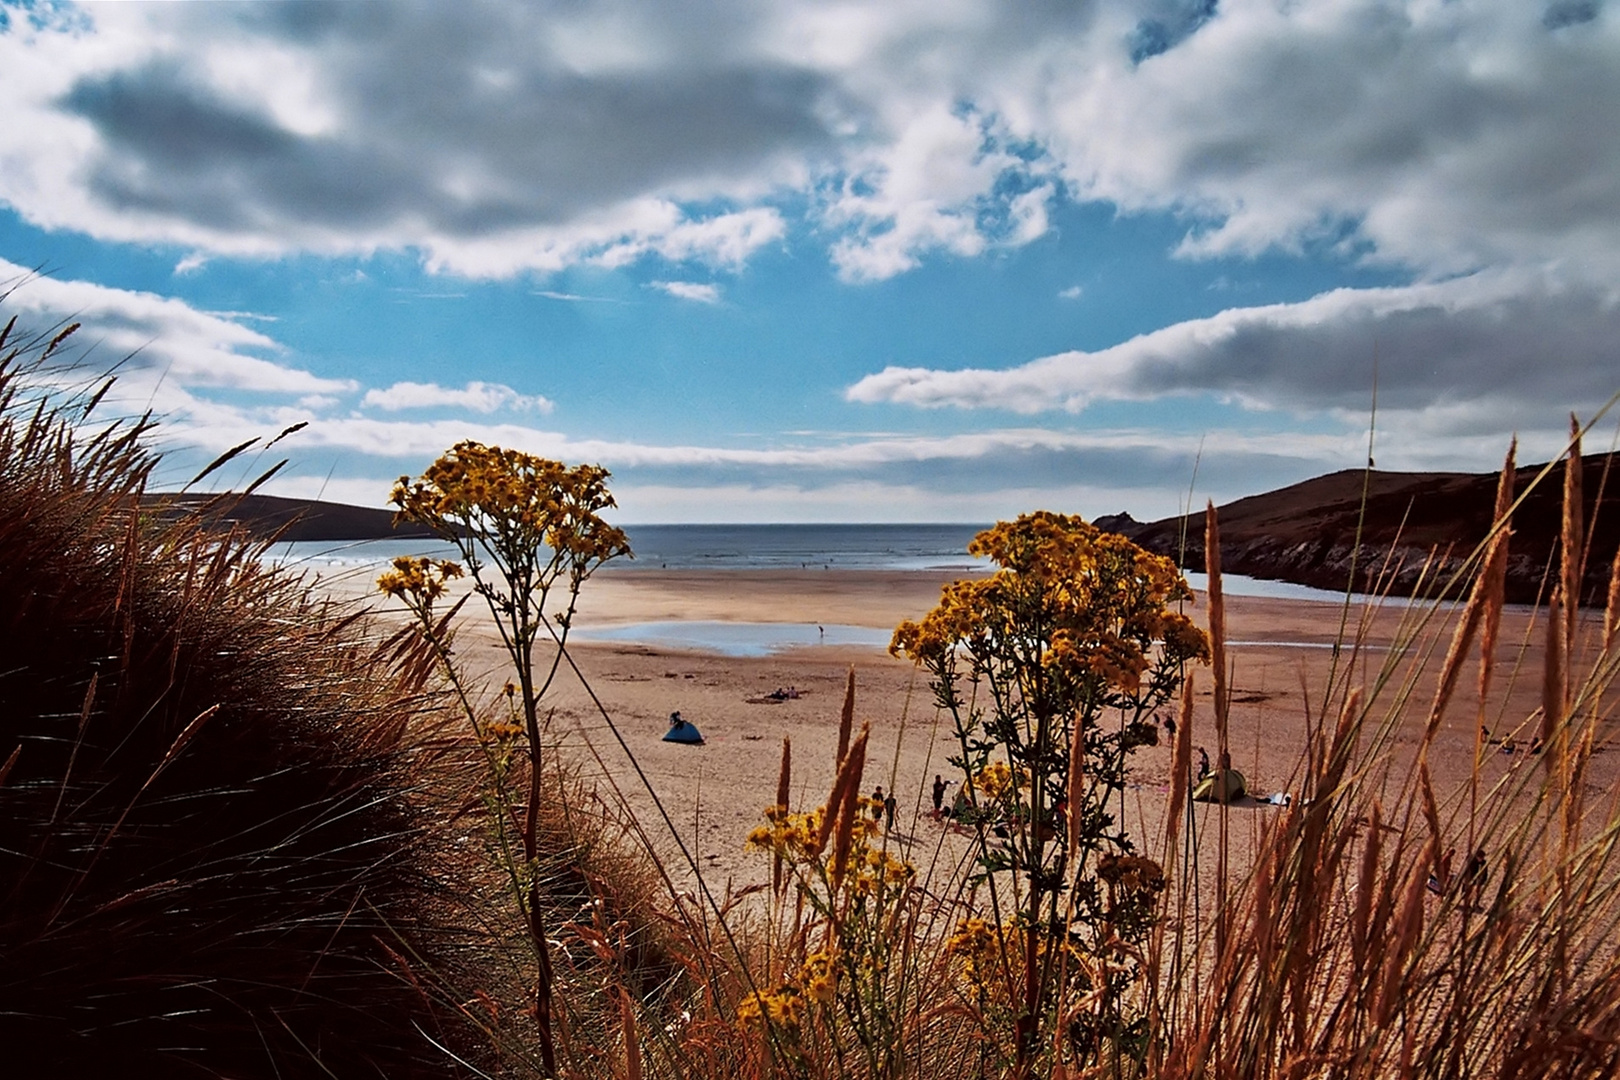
<point x="1281" y="657"/>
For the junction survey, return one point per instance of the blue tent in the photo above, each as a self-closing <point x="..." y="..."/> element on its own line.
<point x="680" y="731"/>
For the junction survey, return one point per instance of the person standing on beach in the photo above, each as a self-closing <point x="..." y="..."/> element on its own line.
<point x="889" y="806"/>
<point x="878" y="803"/>
<point x="939" y="794"/>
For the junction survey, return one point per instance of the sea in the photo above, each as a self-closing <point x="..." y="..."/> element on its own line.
<point x="747" y="547"/>
<point x="710" y="547"/>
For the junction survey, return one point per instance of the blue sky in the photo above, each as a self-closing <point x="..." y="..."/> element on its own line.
<point x="943" y="261"/>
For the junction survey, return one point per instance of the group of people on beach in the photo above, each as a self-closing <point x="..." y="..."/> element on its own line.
<point x="1509" y="744"/>
<point x="884" y="806"/>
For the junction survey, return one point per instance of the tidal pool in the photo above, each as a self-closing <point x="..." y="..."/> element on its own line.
<point x="736" y="638"/>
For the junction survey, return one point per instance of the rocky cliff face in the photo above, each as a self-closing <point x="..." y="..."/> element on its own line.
<point x="1418" y="529"/>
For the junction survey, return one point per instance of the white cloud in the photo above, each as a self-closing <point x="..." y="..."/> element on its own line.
<point x="1510" y="338"/>
<point x="479" y="397"/>
<point x="920" y="193"/>
<point x="574" y="298"/>
<point x="888" y="478"/>
<point x="156" y="338"/>
<point x="699" y="292"/>
<point x="1071" y="293"/>
<point x="1445" y="137"/>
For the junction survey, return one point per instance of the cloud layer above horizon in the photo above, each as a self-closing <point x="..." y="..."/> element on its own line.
<point x="1464" y="148"/>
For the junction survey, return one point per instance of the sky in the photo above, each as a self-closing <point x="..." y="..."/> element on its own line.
<point x="907" y="260"/>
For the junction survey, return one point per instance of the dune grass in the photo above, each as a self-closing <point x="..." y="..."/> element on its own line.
<point x="220" y="841"/>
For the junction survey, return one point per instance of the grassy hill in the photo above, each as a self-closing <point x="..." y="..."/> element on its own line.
<point x="1306" y="533"/>
<point x="287" y="519"/>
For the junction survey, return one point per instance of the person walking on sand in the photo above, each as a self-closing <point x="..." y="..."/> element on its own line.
<point x="878" y="803"/>
<point x="939" y="795"/>
<point x="889" y="806"/>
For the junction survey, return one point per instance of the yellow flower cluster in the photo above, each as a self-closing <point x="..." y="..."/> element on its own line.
<point x="974" y="945"/>
<point x="782" y="1007"/>
<point x="996" y="781"/>
<point x="1105" y="601"/>
<point x="1131" y="873"/>
<point x="502" y="731"/>
<point x="820" y="976"/>
<point x="486" y="489"/>
<point x="877" y="868"/>
<point x="982" y="947"/>
<point x="419" y="580"/>
<point x="794" y="837"/>
<point x="801" y="839"/>
<point x="816" y="982"/>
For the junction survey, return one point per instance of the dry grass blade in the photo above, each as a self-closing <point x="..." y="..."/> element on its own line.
<point x="849" y="806"/>
<point x="846" y="718"/>
<point x="221" y="461"/>
<point x="845" y="785"/>
<point x="784" y="779"/>
<point x="631" y="1041"/>
<point x="1408" y="926"/>
<point x="1554" y="703"/>
<point x="1217" y="621"/>
<point x="1180" y="768"/>
<point x="1456" y="654"/>
<point x="1611" y="610"/>
<point x="1361" y="927"/>
<point x="1571" y="545"/>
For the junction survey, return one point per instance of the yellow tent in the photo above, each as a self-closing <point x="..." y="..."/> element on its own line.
<point x="1222" y="786"/>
